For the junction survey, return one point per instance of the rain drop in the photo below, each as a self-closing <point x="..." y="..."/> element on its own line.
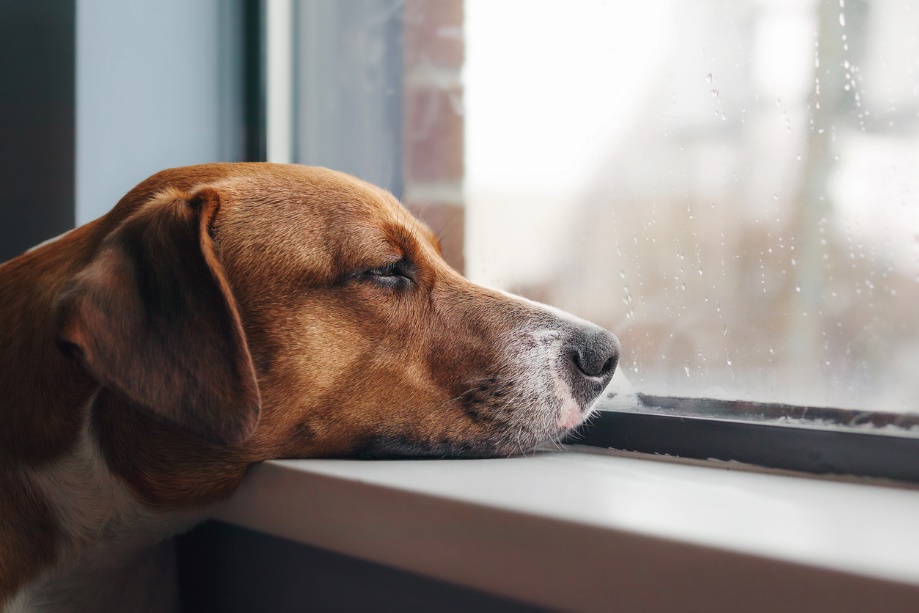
<point x="715" y="93"/>
<point x="842" y="20"/>
<point x="709" y="78"/>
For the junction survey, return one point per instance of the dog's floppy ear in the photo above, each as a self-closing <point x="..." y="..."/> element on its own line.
<point x="152" y="316"/>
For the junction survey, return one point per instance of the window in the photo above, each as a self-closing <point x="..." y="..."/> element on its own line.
<point x="732" y="188"/>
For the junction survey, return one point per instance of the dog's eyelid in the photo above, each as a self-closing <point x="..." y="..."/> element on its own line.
<point x="389" y="270"/>
<point x="400" y="268"/>
<point x="395" y="265"/>
<point x="398" y="273"/>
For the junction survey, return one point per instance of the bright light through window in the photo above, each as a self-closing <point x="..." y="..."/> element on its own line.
<point x="733" y="188"/>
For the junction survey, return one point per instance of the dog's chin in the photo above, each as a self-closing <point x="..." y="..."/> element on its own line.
<point x="445" y="451"/>
<point x="502" y="444"/>
<point x="386" y="447"/>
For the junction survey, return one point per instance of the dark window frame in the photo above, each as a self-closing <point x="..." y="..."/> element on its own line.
<point x="812" y="440"/>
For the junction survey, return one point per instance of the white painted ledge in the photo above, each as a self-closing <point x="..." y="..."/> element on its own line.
<point x="597" y="531"/>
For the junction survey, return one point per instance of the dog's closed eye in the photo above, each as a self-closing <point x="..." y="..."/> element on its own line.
<point x="396" y="275"/>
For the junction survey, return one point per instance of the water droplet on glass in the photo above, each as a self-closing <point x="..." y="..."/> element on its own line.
<point x="729" y="362"/>
<point x="622" y="274"/>
<point x="715" y="93"/>
<point x="798" y="157"/>
<point x="847" y="65"/>
<point x="709" y="78"/>
<point x="723" y="117"/>
<point x="842" y="20"/>
<point x="797" y="288"/>
<point x="686" y="368"/>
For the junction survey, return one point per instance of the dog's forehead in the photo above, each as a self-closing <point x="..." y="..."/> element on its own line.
<point x="303" y="190"/>
<point x="324" y="218"/>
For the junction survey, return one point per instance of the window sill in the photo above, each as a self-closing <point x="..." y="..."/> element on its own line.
<point x="588" y="530"/>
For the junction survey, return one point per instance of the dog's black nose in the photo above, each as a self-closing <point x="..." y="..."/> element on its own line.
<point x="595" y="353"/>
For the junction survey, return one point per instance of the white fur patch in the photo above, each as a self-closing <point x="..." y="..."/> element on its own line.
<point x="108" y="535"/>
<point x="542" y="383"/>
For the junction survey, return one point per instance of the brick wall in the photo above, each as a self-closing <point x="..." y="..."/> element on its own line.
<point x="433" y="138"/>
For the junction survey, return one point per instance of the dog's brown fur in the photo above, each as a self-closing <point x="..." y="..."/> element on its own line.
<point x="222" y="315"/>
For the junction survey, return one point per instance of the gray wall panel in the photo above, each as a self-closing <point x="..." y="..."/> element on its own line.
<point x="159" y="84"/>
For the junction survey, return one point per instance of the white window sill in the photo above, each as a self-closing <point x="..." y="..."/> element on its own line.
<point x="597" y="531"/>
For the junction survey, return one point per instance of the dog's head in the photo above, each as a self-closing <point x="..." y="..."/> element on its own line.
<point x="301" y="312"/>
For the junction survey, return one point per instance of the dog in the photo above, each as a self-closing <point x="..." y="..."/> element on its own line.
<point x="226" y="314"/>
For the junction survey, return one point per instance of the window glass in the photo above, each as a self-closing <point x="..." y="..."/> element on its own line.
<point x="731" y="187"/>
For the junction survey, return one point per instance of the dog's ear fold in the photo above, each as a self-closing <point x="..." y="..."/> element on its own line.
<point x="152" y="316"/>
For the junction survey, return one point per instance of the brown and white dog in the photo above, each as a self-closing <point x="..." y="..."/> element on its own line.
<point x="226" y="314"/>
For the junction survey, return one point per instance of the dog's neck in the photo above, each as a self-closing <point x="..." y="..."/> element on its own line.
<point x="105" y="536"/>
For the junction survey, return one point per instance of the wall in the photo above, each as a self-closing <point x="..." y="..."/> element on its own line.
<point x="159" y="84"/>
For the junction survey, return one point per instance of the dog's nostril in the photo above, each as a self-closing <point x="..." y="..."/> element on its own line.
<point x="597" y="355"/>
<point x="610" y="365"/>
